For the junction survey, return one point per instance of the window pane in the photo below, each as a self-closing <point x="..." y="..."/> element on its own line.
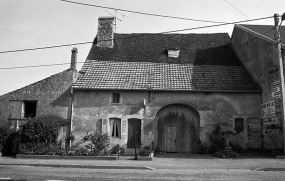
<point x="115" y="98"/>
<point x="115" y="124"/>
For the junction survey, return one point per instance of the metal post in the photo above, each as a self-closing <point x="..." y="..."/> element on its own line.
<point x="281" y="74"/>
<point x="136" y="155"/>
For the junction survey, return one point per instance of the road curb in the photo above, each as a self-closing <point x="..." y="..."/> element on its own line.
<point x="81" y="166"/>
<point x="65" y="157"/>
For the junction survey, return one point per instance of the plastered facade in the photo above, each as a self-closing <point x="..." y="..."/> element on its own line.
<point x="93" y="108"/>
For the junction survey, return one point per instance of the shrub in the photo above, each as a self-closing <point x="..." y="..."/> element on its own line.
<point x="217" y="140"/>
<point x="156" y="149"/>
<point x="122" y="150"/>
<point x="202" y="147"/>
<point x="38" y="149"/>
<point x="42" y="129"/>
<point x="145" y="151"/>
<point x="227" y="153"/>
<point x="99" y="142"/>
<point x="236" y="148"/>
<point x="5" y="132"/>
<point x="115" y="149"/>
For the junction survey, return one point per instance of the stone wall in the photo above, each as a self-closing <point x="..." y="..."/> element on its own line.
<point x="91" y="108"/>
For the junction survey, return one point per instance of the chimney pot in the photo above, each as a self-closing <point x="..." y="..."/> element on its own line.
<point x="73" y="58"/>
<point x="105" y="34"/>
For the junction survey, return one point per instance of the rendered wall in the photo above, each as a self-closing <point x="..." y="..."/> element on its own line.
<point x="90" y="108"/>
<point x="260" y="57"/>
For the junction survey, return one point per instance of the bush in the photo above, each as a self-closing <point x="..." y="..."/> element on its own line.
<point x="145" y="151"/>
<point x="42" y="129"/>
<point x="38" y="149"/>
<point x="217" y="140"/>
<point x="115" y="149"/>
<point x="202" y="147"/>
<point x="99" y="142"/>
<point x="227" y="153"/>
<point x="236" y="148"/>
<point x="5" y="132"/>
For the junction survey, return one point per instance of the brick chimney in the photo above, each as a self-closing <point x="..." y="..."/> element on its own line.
<point x="105" y="32"/>
<point x="73" y="58"/>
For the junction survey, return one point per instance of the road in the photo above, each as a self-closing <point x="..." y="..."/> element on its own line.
<point x="47" y="173"/>
<point x="163" y="169"/>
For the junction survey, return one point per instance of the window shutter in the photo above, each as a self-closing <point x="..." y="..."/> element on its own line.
<point x="104" y="126"/>
<point x="16" y="108"/>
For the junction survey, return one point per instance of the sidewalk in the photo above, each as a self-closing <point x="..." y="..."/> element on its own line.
<point x="160" y="161"/>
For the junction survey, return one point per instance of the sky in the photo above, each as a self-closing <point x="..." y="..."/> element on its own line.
<point x="26" y="24"/>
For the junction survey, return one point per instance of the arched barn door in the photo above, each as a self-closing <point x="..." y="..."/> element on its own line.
<point x="178" y="128"/>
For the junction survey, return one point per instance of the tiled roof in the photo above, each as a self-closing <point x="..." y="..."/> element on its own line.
<point x="163" y="76"/>
<point x="266" y="30"/>
<point x="198" y="49"/>
<point x="141" y="62"/>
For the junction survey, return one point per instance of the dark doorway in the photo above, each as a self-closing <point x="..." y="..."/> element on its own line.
<point x="30" y="109"/>
<point x="134" y="133"/>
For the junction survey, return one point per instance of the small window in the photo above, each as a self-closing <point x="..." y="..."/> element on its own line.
<point x="173" y="53"/>
<point x="30" y="109"/>
<point x="115" y="98"/>
<point x="115" y="124"/>
<point x="239" y="125"/>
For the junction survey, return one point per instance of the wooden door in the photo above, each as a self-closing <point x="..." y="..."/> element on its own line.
<point x="170" y="138"/>
<point x="187" y="123"/>
<point x="254" y="134"/>
<point x="134" y="133"/>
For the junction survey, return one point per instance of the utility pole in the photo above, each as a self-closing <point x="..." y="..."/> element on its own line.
<point x="277" y="22"/>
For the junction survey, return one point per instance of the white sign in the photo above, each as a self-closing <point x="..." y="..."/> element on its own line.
<point x="268" y="109"/>
<point x="275" y="89"/>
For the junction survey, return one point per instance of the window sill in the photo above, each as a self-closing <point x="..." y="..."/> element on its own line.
<point x="116" y="138"/>
<point x="112" y="103"/>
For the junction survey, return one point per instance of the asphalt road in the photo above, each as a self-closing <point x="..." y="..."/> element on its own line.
<point x="47" y="173"/>
<point x="182" y="168"/>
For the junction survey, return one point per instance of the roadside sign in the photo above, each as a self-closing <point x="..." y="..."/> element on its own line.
<point x="275" y="89"/>
<point x="268" y="109"/>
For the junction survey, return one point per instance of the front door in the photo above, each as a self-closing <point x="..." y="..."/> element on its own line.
<point x="134" y="133"/>
<point x="170" y="138"/>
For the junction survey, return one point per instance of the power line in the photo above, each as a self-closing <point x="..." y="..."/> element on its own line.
<point x="237" y="9"/>
<point x="173" y="31"/>
<point x="34" y="66"/>
<point x="137" y="12"/>
<point x="48" y="47"/>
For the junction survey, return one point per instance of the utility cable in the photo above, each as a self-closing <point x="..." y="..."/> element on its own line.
<point x="137" y="12"/>
<point x="151" y="56"/>
<point x="34" y="66"/>
<point x="141" y="35"/>
<point x="237" y="9"/>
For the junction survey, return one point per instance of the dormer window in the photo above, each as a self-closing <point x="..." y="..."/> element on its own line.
<point x="174" y="53"/>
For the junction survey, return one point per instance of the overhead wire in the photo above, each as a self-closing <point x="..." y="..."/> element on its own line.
<point x="235" y="48"/>
<point x="141" y="35"/>
<point x="237" y="9"/>
<point x="137" y="12"/>
<point x="35" y="66"/>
